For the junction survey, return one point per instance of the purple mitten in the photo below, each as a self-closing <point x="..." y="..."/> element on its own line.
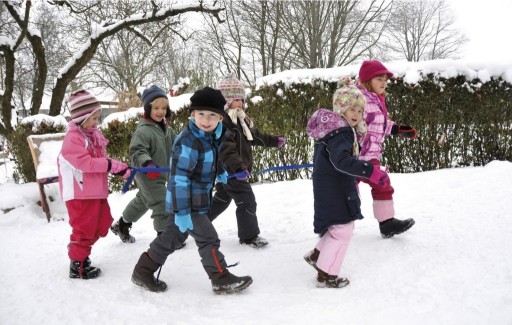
<point x="243" y="175"/>
<point x="379" y="177"/>
<point x="281" y="141"/>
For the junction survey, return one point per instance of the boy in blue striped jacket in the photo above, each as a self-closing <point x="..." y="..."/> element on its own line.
<point x="194" y="169"/>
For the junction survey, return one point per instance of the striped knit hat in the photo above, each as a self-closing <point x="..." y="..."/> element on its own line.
<point x="82" y="104"/>
<point x="231" y="89"/>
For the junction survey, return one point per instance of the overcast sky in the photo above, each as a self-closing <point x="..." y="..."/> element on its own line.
<point x="486" y="24"/>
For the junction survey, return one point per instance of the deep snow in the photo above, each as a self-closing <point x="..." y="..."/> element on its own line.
<point x="452" y="267"/>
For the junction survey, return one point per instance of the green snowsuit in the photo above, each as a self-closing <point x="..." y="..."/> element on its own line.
<point x="150" y="143"/>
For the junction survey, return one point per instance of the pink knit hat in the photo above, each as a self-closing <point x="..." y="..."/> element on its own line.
<point x="371" y="69"/>
<point x="82" y="104"/>
<point x="231" y="89"/>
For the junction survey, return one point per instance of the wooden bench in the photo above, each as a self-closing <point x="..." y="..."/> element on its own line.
<point x="45" y="149"/>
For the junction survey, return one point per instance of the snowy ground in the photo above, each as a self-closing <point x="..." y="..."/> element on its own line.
<point x="452" y="267"/>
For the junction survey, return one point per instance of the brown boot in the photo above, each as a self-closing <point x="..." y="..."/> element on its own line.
<point x="325" y="280"/>
<point x="143" y="274"/>
<point x="311" y="257"/>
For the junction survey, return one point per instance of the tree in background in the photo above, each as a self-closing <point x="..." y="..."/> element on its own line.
<point x="423" y="30"/>
<point x="89" y="31"/>
<point x="262" y="37"/>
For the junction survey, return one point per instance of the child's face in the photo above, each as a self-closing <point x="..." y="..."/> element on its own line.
<point x="206" y="120"/>
<point x="92" y="121"/>
<point x="379" y="84"/>
<point x="237" y="103"/>
<point x="354" y="115"/>
<point x="158" y="109"/>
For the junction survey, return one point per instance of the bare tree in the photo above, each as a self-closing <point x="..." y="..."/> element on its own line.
<point x="262" y="37"/>
<point x="96" y="32"/>
<point x="423" y="30"/>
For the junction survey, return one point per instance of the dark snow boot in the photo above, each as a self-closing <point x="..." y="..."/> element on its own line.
<point x="311" y="257"/>
<point x="122" y="229"/>
<point x="394" y="226"/>
<point x="325" y="280"/>
<point x="255" y="242"/>
<point x="143" y="274"/>
<point x="83" y="270"/>
<point x="229" y="283"/>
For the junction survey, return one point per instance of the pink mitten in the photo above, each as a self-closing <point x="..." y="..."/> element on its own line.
<point x="117" y="166"/>
<point x="379" y="177"/>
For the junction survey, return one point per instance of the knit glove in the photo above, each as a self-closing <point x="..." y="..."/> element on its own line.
<point x="125" y="174"/>
<point x="379" y="177"/>
<point x="243" y="175"/>
<point x="183" y="221"/>
<point x="222" y="178"/>
<point x="404" y="131"/>
<point x="151" y="175"/>
<point x="117" y="167"/>
<point x="281" y="141"/>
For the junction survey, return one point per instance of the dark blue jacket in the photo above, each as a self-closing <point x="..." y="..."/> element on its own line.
<point x="336" y="198"/>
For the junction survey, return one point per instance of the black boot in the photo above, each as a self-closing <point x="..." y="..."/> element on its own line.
<point x="311" y="257"/>
<point x="255" y="242"/>
<point x="83" y="270"/>
<point x="122" y="229"/>
<point x="325" y="280"/>
<point x="143" y="274"/>
<point x="226" y="283"/>
<point x="394" y="226"/>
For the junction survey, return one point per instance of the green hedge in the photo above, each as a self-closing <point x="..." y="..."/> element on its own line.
<point x="459" y="123"/>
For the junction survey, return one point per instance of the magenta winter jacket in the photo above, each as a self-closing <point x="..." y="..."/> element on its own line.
<point x="378" y="123"/>
<point x="82" y="169"/>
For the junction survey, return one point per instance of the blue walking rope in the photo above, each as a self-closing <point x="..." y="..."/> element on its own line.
<point x="136" y="170"/>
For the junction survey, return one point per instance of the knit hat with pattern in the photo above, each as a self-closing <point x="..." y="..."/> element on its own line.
<point x="82" y="104"/>
<point x="231" y="89"/>
<point x="349" y="96"/>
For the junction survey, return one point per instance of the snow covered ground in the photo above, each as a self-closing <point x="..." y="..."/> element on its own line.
<point x="452" y="267"/>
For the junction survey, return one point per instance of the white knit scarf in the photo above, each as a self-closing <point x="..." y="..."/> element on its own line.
<point x="238" y="114"/>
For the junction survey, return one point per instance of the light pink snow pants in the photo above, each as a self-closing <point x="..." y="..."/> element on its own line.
<point x="333" y="246"/>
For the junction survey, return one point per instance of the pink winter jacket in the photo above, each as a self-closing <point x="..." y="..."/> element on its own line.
<point x="378" y="124"/>
<point x="82" y="169"/>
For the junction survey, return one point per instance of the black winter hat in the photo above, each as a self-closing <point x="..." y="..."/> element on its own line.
<point x="208" y="99"/>
<point x="149" y="95"/>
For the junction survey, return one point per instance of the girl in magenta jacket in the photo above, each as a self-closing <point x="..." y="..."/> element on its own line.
<point x="83" y="169"/>
<point x="373" y="78"/>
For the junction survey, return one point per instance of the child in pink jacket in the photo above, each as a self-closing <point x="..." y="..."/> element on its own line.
<point x="373" y="78"/>
<point x="83" y="169"/>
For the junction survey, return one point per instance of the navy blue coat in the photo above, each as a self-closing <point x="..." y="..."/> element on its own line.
<point x="334" y="179"/>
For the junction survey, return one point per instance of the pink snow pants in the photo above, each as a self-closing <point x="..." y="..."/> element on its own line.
<point x="89" y="220"/>
<point x="333" y="246"/>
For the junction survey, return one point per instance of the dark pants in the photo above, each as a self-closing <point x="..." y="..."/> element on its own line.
<point x="241" y="192"/>
<point x="207" y="242"/>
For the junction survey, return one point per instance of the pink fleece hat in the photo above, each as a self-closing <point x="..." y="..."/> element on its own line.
<point x="371" y="69"/>
<point x="322" y="122"/>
